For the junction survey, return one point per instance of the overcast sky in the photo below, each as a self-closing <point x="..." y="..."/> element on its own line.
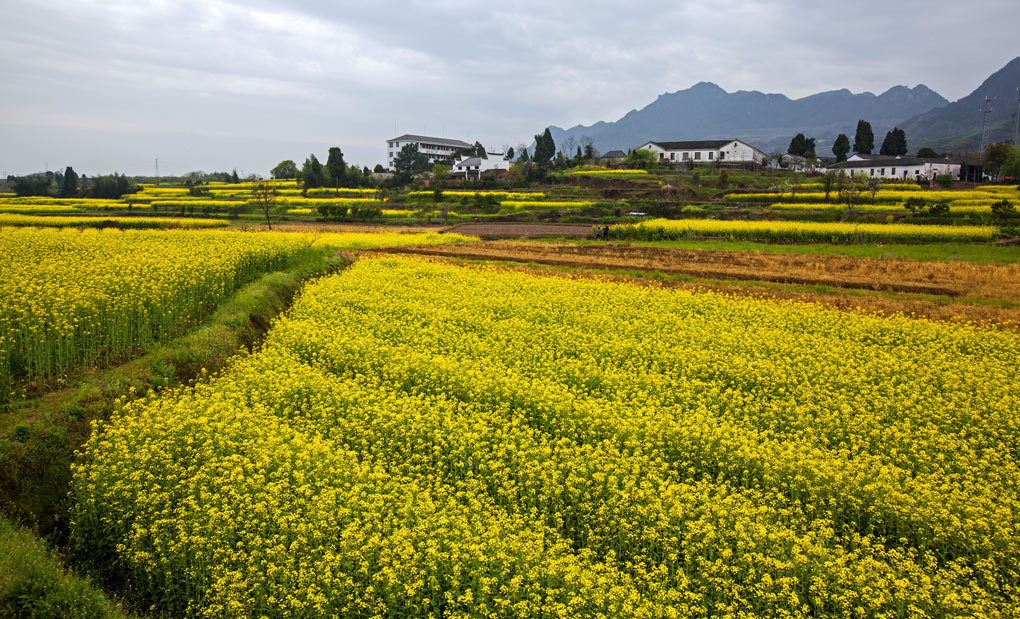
<point x="112" y="85"/>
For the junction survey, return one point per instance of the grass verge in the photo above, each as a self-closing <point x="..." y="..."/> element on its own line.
<point x="34" y="582"/>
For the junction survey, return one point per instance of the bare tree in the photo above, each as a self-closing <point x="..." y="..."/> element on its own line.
<point x="569" y="145"/>
<point x="263" y="196"/>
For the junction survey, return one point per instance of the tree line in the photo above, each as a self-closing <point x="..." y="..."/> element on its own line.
<point x="894" y="145"/>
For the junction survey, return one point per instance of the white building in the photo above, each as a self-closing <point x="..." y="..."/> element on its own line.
<point x="474" y="167"/>
<point x="437" y="149"/>
<point x="703" y="152"/>
<point x="900" y="168"/>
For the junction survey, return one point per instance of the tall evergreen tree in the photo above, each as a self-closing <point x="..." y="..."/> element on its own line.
<point x="312" y="176"/>
<point x="895" y="143"/>
<point x="545" y="148"/>
<point x="841" y="147"/>
<point x="336" y="168"/>
<point x="802" y="146"/>
<point x="864" y="139"/>
<point x="69" y="188"/>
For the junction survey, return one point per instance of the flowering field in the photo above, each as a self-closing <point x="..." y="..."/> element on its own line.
<point x="556" y="448"/>
<point x="96" y="221"/>
<point x="830" y="232"/>
<point x="70" y="298"/>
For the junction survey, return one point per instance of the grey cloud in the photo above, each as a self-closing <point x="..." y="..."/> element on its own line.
<point x="193" y="82"/>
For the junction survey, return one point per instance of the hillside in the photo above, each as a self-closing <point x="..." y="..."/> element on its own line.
<point x="706" y="111"/>
<point x="957" y="126"/>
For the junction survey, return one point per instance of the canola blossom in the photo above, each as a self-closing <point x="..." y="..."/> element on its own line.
<point x="523" y="195"/>
<point x="99" y="221"/>
<point x="605" y="172"/>
<point x="526" y="204"/>
<point x="956" y="207"/>
<point x="835" y="232"/>
<point x="404" y="446"/>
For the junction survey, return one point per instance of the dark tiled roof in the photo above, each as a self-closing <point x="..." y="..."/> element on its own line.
<point x="873" y="161"/>
<point x="614" y="154"/>
<point x="470" y="162"/>
<point x="692" y="145"/>
<point x="408" y="137"/>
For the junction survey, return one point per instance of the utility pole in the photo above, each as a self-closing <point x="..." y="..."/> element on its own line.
<point x="1016" y="121"/>
<point x="157" y="169"/>
<point x="986" y="110"/>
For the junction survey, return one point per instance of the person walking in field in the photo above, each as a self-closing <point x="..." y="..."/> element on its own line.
<point x="596" y="232"/>
<point x="605" y="233"/>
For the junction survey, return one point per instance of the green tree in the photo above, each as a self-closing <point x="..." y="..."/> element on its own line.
<point x="234" y="178"/>
<point x="641" y="158"/>
<point x="927" y="153"/>
<point x="802" y="146"/>
<point x="895" y="143"/>
<point x="109" y="187"/>
<point x="545" y="148"/>
<point x="841" y="147"/>
<point x="1011" y="166"/>
<point x="479" y="151"/>
<point x="408" y="163"/>
<point x="829" y="180"/>
<point x="864" y="139"/>
<point x="524" y="155"/>
<point x="69" y="188"/>
<point x="285" y="169"/>
<point x="336" y="168"/>
<point x="510" y="154"/>
<point x="312" y="175"/>
<point x="38" y="185"/>
<point x="995" y="156"/>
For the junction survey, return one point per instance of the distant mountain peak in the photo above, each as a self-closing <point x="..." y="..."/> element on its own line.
<point x="707" y="111"/>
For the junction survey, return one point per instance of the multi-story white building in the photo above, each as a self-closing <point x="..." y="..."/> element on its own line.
<point x="437" y="149"/>
<point x="902" y="168"/>
<point x="702" y="152"/>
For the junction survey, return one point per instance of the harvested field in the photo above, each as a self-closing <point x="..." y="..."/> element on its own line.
<point x="983" y="293"/>
<point x="510" y="230"/>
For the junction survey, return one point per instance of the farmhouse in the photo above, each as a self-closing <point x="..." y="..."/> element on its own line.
<point x="437" y="149"/>
<point x="470" y="168"/>
<point x="704" y="152"/>
<point x="903" y="168"/>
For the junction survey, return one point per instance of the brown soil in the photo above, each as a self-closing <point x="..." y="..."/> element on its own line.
<point x="510" y="230"/>
<point x="956" y="291"/>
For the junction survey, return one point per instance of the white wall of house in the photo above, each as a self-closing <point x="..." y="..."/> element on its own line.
<point x="735" y="151"/>
<point x="910" y="172"/>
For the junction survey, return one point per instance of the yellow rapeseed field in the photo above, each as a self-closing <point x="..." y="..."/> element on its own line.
<point x="98" y="221"/>
<point x="835" y="232"/>
<point x="404" y="445"/>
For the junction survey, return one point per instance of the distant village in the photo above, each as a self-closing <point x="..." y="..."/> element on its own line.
<point x="469" y="162"/>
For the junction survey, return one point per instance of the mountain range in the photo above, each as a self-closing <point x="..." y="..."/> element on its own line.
<point x="769" y="121"/>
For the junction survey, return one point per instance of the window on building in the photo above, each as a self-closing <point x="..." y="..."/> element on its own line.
<point x="893" y="173"/>
<point x="722" y="155"/>
<point x="882" y="172"/>
<point x="687" y="156"/>
<point x="710" y="156"/>
<point x="672" y="156"/>
<point x="697" y="155"/>
<point x="872" y="171"/>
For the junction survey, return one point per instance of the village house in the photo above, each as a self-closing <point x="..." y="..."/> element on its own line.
<point x="472" y="167"/>
<point x="706" y="152"/>
<point x="437" y="149"/>
<point x="900" y="168"/>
